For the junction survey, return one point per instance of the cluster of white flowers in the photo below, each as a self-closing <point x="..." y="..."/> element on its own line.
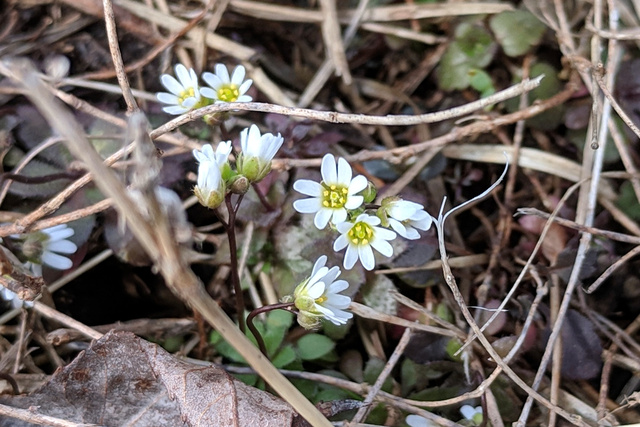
<point x="341" y="200"/>
<point x="216" y="177"/>
<point x="186" y="94"/>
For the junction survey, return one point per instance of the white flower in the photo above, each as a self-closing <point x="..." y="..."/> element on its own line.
<point x="359" y="237"/>
<point x="225" y="89"/>
<point x="318" y="296"/>
<point x="185" y="95"/>
<point x="472" y="414"/>
<point x="405" y="216"/>
<point x="45" y="247"/>
<point x="418" y="421"/>
<point x="210" y="189"/>
<point x="8" y="295"/>
<point x="254" y="161"/>
<point x="334" y="195"/>
<point x="220" y="156"/>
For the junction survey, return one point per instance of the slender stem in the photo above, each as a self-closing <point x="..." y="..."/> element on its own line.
<point x="254" y="330"/>
<point x="233" y="255"/>
<point x="263" y="199"/>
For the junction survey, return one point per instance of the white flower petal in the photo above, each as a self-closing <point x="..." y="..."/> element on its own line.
<point x="222" y="73"/>
<point x="307" y="205"/>
<point x="382" y="246"/>
<point x="175" y="110"/>
<point x="238" y="75"/>
<point x="369" y="219"/>
<point x="167" y="98"/>
<point x="344" y="227"/>
<point x="411" y="233"/>
<point x="383" y="233"/>
<point x="344" y="172"/>
<point x="56" y="261"/>
<point x="358" y="184"/>
<point x="316" y="290"/>
<point x="398" y="227"/>
<point x="350" y="257"/>
<point x="341" y="242"/>
<point x="337" y="301"/>
<point x="243" y="88"/>
<point x="354" y="202"/>
<point x="320" y="262"/>
<point x="338" y="286"/>
<point x="469" y="411"/>
<point x="366" y="257"/>
<point x="62" y="246"/>
<point x="207" y="92"/>
<point x="308" y="187"/>
<point x="171" y="84"/>
<point x="423" y="222"/>
<point x="244" y="98"/>
<point x="322" y="218"/>
<point x="189" y="102"/>
<point x="328" y="169"/>
<point x="58" y="233"/>
<point x="213" y="80"/>
<point x="183" y="76"/>
<point x="339" y="216"/>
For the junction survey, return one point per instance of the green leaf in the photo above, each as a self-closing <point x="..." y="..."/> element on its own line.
<point x="473" y="49"/>
<point x="284" y="357"/>
<point x="517" y="31"/>
<point x="314" y="346"/>
<point x="549" y="86"/>
<point x="628" y="202"/>
<point x="372" y="371"/>
<point x="279" y="319"/>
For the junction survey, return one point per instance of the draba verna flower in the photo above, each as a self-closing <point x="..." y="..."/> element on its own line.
<point x="211" y="188"/>
<point x="359" y="237"/>
<point x="405" y="216"/>
<point x="220" y="156"/>
<point x="318" y="297"/>
<point x="45" y="247"/>
<point x="225" y="89"/>
<point x="472" y="414"/>
<point x="334" y="195"/>
<point x="185" y="94"/>
<point x="258" y="150"/>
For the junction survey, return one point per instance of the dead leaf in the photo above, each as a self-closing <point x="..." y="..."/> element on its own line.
<point x="126" y="381"/>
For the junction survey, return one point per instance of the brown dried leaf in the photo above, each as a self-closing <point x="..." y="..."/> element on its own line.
<point x="124" y="380"/>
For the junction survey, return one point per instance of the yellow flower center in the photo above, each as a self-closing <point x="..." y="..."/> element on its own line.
<point x="360" y="234"/>
<point x="228" y="93"/>
<point x="187" y="93"/>
<point x="334" y="196"/>
<point x="321" y="300"/>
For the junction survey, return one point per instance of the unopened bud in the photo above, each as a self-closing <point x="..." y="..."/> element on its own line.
<point x="369" y="193"/>
<point x="239" y="184"/>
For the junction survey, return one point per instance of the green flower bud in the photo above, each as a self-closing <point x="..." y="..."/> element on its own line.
<point x="369" y="193"/>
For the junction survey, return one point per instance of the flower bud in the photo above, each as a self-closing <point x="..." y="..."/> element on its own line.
<point x="308" y="322"/>
<point x="239" y="184"/>
<point x="369" y="193"/>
